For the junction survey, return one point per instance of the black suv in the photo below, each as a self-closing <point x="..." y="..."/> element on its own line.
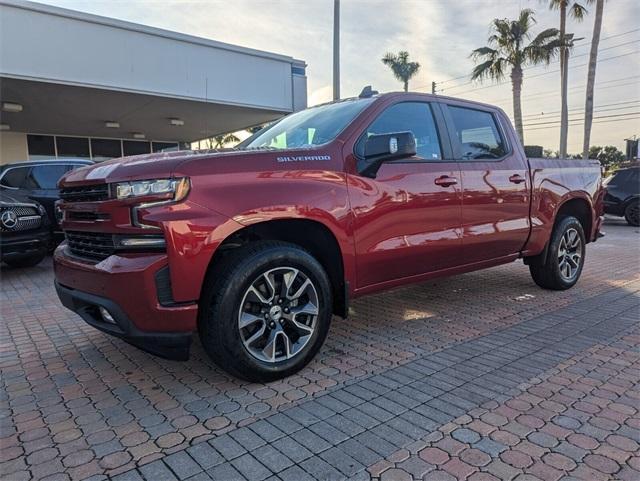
<point x="38" y="180"/>
<point x="623" y="195"/>
<point x="25" y="233"/>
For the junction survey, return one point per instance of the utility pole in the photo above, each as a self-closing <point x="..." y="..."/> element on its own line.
<point x="433" y="87"/>
<point x="336" y="49"/>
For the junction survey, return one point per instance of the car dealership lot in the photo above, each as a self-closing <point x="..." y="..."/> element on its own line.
<point x="470" y="377"/>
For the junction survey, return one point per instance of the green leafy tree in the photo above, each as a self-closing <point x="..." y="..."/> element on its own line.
<point x="219" y="141"/>
<point x="402" y="69"/>
<point x="608" y="156"/>
<point x="509" y="48"/>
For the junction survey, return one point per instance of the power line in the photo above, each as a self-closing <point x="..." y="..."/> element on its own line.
<point x="544" y="73"/>
<point x="550" y="93"/>
<point x="555" y="115"/>
<point x="540" y="66"/>
<point x="578" y="125"/>
<point x="581" y="119"/>
<point x="582" y="107"/>
<point x="603" y="39"/>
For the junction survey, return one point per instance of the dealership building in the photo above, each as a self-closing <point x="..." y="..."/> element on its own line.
<point x="79" y="85"/>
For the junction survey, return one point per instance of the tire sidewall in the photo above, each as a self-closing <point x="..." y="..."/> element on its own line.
<point x="563" y="225"/>
<point x="630" y="205"/>
<point x="225" y="314"/>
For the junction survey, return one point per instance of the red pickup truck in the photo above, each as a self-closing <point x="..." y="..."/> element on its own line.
<point x="257" y="247"/>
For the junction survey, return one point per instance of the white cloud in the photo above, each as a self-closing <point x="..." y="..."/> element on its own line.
<point x="439" y="34"/>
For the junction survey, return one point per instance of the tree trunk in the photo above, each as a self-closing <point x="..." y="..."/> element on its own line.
<point x="516" y="84"/>
<point x="564" y="109"/>
<point x="406" y="85"/>
<point x="591" y="78"/>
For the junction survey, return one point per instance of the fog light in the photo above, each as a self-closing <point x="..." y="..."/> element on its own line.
<point x="142" y="242"/>
<point x="106" y="316"/>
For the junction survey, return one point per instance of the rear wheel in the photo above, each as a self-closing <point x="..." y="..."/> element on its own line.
<point x="564" y="260"/>
<point x="632" y="213"/>
<point x="25" y="261"/>
<point x="265" y="311"/>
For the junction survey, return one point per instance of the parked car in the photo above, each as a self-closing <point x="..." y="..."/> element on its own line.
<point x="38" y="181"/>
<point x="623" y="195"/>
<point x="257" y="248"/>
<point x="25" y="235"/>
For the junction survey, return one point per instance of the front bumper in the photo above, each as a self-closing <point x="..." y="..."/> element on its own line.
<point x="24" y="244"/>
<point x="125" y="285"/>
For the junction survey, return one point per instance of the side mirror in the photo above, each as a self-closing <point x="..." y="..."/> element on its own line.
<point x="382" y="148"/>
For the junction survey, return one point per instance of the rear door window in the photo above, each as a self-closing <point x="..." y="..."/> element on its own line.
<point x="477" y="134"/>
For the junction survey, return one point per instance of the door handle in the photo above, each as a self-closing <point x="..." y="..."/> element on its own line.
<point x="445" y="181"/>
<point x="516" y="179"/>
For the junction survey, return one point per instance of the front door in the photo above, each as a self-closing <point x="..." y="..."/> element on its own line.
<point x="495" y="184"/>
<point x="407" y="219"/>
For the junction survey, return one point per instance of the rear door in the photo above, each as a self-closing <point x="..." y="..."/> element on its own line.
<point x="495" y="183"/>
<point x="407" y="219"/>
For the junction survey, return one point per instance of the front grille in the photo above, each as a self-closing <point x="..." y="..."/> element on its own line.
<point x="85" y="193"/>
<point x="90" y="245"/>
<point x="24" y="218"/>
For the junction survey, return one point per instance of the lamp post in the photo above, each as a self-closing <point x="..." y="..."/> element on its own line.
<point x="336" y="49"/>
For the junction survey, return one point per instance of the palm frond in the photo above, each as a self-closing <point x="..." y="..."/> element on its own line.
<point x="483" y="52"/>
<point x="578" y="12"/>
<point x="546" y="36"/>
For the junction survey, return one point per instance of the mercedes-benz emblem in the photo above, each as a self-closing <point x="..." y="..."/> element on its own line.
<point x="9" y="219"/>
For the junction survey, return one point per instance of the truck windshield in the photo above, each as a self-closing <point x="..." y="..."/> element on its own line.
<point x="307" y="128"/>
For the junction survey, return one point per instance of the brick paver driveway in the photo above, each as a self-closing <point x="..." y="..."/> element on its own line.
<point x="479" y="377"/>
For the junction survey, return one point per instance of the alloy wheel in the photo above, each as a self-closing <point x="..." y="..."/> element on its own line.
<point x="278" y="314"/>
<point x="570" y="254"/>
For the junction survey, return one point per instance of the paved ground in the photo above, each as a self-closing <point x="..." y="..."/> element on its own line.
<point x="479" y="377"/>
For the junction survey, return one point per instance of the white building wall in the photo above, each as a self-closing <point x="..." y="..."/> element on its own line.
<point x="13" y="147"/>
<point x="62" y="46"/>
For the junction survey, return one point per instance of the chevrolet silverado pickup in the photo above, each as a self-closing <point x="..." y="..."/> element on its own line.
<point x="257" y="247"/>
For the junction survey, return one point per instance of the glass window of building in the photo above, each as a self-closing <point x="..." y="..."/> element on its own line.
<point x="74" y="147"/>
<point x="165" y="146"/>
<point x="105" y="149"/>
<point x="136" y="147"/>
<point x="41" y="147"/>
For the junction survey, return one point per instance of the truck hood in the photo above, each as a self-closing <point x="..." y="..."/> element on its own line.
<point x="145" y="166"/>
<point x="190" y="162"/>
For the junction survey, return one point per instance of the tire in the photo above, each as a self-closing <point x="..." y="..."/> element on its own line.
<point x="26" y="261"/>
<point x="632" y="213"/>
<point x="552" y="272"/>
<point x="233" y="293"/>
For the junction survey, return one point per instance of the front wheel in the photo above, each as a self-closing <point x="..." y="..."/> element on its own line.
<point x="564" y="261"/>
<point x="632" y="213"/>
<point x="265" y="311"/>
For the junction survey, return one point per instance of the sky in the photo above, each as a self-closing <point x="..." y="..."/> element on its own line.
<point x="439" y="34"/>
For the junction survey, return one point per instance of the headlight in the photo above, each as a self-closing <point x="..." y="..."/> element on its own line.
<point x="171" y="189"/>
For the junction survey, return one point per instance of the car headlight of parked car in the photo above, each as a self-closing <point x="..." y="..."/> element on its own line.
<point x="166" y="189"/>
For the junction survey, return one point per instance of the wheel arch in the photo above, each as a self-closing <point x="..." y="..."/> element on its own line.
<point x="311" y="235"/>
<point x="580" y="208"/>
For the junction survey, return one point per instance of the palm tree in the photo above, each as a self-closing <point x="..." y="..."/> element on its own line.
<point x="402" y="69"/>
<point x="591" y="78"/>
<point x="578" y="12"/>
<point x="507" y="49"/>
<point x="219" y="141"/>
